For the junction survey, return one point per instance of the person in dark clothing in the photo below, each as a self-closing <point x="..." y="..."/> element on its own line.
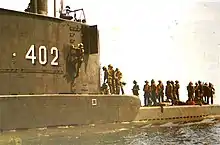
<point x="173" y="88"/>
<point x="169" y="92"/>
<point x="176" y="89"/>
<point x="206" y="93"/>
<point x="146" y="90"/>
<point x="212" y="92"/>
<point x="105" y="74"/>
<point x="122" y="87"/>
<point x="135" y="88"/>
<point x="196" y="90"/>
<point x="200" y="91"/>
<point x="190" y="90"/>
<point x="153" y="92"/>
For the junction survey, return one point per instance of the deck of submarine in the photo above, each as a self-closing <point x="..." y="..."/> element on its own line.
<point x="176" y="113"/>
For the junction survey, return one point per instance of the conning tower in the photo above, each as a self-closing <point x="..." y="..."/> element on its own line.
<point x="35" y="51"/>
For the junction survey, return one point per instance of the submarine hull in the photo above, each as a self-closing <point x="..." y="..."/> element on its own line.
<point x="185" y="113"/>
<point x="37" y="111"/>
<point x="51" y="110"/>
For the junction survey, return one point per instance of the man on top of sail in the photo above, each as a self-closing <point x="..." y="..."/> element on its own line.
<point x="65" y="13"/>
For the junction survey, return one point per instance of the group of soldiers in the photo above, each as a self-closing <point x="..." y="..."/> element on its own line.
<point x="201" y="92"/>
<point x="112" y="81"/>
<point x="154" y="93"/>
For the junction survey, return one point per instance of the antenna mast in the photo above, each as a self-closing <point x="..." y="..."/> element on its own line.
<point x="55" y="8"/>
<point x="61" y="5"/>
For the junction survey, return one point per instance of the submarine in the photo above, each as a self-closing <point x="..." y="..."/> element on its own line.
<point x="44" y="84"/>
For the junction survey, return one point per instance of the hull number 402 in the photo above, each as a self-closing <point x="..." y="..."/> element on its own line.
<point x="42" y="57"/>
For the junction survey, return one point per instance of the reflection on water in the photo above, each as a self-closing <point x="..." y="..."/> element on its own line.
<point x="114" y="134"/>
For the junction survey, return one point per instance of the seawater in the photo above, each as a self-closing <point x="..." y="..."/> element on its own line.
<point x="206" y="132"/>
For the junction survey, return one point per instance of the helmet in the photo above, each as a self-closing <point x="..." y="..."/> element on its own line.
<point x="134" y="81"/>
<point x="110" y="66"/>
<point x="146" y="81"/>
<point x="67" y="7"/>
<point x="80" y="45"/>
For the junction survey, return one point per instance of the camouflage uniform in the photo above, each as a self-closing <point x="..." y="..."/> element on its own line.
<point x="118" y="77"/>
<point x="160" y="91"/>
<point x="111" y="79"/>
<point x="153" y="88"/>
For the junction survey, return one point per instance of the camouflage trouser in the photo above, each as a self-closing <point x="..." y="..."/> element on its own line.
<point x="117" y="86"/>
<point x="153" y="97"/>
<point x="111" y="85"/>
<point x="161" y="97"/>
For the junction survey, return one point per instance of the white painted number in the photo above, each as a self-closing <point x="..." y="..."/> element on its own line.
<point x="44" y="61"/>
<point x="30" y="54"/>
<point x="42" y="55"/>
<point x="54" y="49"/>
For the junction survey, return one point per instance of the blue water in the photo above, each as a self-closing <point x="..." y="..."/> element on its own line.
<point x="207" y="133"/>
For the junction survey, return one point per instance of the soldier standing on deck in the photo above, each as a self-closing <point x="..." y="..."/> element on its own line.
<point x="135" y="88"/>
<point x="206" y="92"/>
<point x="168" y="91"/>
<point x="160" y="91"/>
<point x="176" y="87"/>
<point x="212" y="92"/>
<point x="122" y="89"/>
<point x="118" y="77"/>
<point x="173" y="91"/>
<point x="105" y="74"/>
<point x="200" y="91"/>
<point x="190" y="90"/>
<point x="153" y="88"/>
<point x="196" y="89"/>
<point x="146" y="90"/>
<point x="111" y="78"/>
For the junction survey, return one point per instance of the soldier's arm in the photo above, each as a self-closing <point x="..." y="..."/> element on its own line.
<point x="144" y="88"/>
<point x="115" y="75"/>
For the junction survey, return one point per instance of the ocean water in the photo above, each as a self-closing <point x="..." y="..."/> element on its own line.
<point x="206" y="132"/>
